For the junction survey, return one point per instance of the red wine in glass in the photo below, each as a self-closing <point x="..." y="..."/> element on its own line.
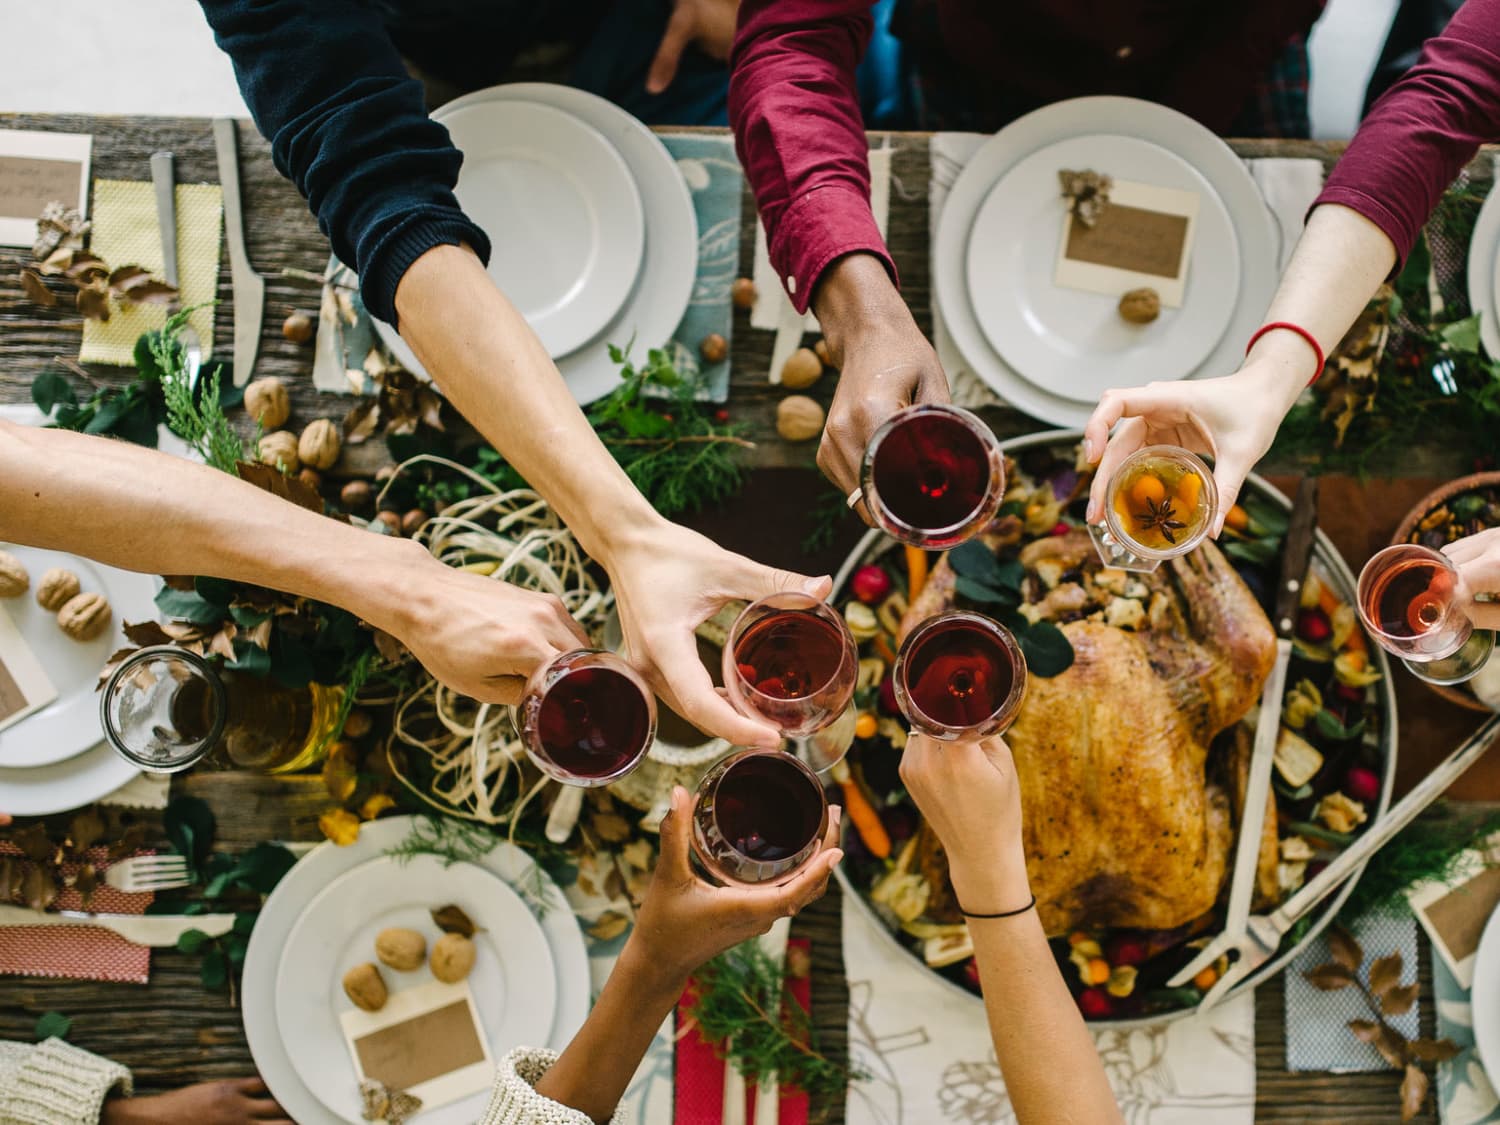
<point x="1411" y="602"/>
<point x="587" y="718"/>
<point x="758" y="816"/>
<point x="960" y="675"/>
<point x="791" y="661"/>
<point x="933" y="476"/>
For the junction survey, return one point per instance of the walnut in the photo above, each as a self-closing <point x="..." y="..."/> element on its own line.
<point x="364" y="985"/>
<point x="713" y="348"/>
<point x="14" y="579"/>
<point x="452" y="958"/>
<point x="319" y="445"/>
<point x="1141" y="306"/>
<point x="84" y="616"/>
<point x="820" y="349"/>
<point x="401" y="949"/>
<point x="280" y="449"/>
<point x="56" y="589"/>
<point x="799" y="418"/>
<point x="742" y="293"/>
<point x="267" y="402"/>
<point x="802" y="369"/>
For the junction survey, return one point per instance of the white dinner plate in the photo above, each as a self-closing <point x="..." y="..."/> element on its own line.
<point x="1226" y="174"/>
<point x="1484" y="273"/>
<point x="561" y="209"/>
<point x="1484" y="999"/>
<point x="71" y="784"/>
<point x="513" y="982"/>
<point x="670" y="265"/>
<point x="1072" y="342"/>
<point x="319" y="868"/>
<point x="69" y="725"/>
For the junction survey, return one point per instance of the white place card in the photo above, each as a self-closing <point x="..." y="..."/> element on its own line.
<point x="35" y="169"/>
<point x="24" y="684"/>
<point x="1142" y="240"/>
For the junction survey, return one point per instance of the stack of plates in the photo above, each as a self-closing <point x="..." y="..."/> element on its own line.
<point x="530" y="980"/>
<point x="54" y="759"/>
<point x="1052" y="351"/>
<point x="1484" y="273"/>
<point x="591" y="224"/>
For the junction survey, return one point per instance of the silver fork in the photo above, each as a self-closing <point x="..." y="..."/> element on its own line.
<point x="148" y="873"/>
<point x="164" y="179"/>
<point x="1264" y="932"/>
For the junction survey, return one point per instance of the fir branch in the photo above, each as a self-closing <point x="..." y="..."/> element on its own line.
<point x="452" y="840"/>
<point x="198" y="419"/>
<point x="1426" y="849"/>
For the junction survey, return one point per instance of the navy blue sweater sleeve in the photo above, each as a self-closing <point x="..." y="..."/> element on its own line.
<point x="349" y="127"/>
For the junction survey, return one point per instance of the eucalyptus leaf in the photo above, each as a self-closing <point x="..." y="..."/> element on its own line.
<point x="186" y="605"/>
<point x="189" y="824"/>
<point x="262" y="867"/>
<point x="1048" y="651"/>
<point x="53" y="1025"/>
<point x="216" y="591"/>
<point x="190" y="941"/>
<point x="214" y="972"/>
<point x="972" y="590"/>
<point x="1462" y="335"/>
<point x="50" y="389"/>
<point x="250" y="658"/>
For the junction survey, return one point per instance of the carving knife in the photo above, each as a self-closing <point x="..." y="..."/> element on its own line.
<point x="1295" y="556"/>
<point x="249" y="288"/>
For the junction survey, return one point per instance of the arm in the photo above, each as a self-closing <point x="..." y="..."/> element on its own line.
<point x="1477" y="558"/>
<point x="794" y="107"/>
<point x="683" y="922"/>
<point x="350" y="128"/>
<point x="967" y="792"/>
<point x="141" y="510"/>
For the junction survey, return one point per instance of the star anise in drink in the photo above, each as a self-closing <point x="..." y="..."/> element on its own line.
<point x="1161" y="517"/>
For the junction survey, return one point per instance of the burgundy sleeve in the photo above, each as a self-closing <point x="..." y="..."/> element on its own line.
<point x="794" y="108"/>
<point x="1425" y="129"/>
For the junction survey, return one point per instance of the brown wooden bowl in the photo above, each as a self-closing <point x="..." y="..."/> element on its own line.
<point x="1435" y="499"/>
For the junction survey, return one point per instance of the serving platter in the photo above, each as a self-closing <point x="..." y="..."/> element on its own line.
<point x="859" y="872"/>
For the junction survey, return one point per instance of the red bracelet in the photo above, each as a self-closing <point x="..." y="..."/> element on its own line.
<point x="1290" y="327"/>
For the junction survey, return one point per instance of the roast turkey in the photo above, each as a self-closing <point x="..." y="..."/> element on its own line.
<point x="1128" y="820"/>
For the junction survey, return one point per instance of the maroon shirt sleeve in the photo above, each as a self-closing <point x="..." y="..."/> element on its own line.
<point x="1425" y="128"/>
<point x="794" y="107"/>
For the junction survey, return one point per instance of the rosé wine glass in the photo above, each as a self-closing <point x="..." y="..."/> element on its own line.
<point x="1415" y="606"/>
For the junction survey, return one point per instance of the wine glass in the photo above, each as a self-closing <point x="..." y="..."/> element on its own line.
<point x="758" y="816"/>
<point x="586" y="718"/>
<point x="1414" y="603"/>
<point x="791" y="661"/>
<point x="933" y="476"/>
<point x="960" y="675"/>
<point x="1160" y="504"/>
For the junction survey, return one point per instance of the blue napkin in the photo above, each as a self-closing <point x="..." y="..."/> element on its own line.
<point x="1464" y="1093"/>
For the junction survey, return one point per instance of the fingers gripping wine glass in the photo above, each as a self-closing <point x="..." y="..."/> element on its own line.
<point x="1160" y="504"/>
<point x="759" y="816"/>
<point x="587" y="718"/>
<point x="1415" y="605"/>
<point x="960" y="675"/>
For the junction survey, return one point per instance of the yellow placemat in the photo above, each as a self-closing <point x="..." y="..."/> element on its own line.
<point x="125" y="232"/>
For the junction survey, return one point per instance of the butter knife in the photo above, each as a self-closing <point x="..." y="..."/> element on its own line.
<point x="140" y="929"/>
<point x="1295" y="556"/>
<point x="249" y="288"/>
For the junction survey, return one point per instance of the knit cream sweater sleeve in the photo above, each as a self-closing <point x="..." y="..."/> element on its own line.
<point x="514" y="1100"/>
<point x="55" y="1083"/>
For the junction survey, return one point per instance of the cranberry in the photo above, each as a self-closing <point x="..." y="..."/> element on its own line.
<point x="1095" y="1004"/>
<point x="1126" y="949"/>
<point x="1349" y="693"/>
<point x="1062" y="528"/>
<point x="971" y="974"/>
<point x="871" y="584"/>
<point x="1313" y="626"/>
<point x="1362" y="784"/>
<point x="721" y="415"/>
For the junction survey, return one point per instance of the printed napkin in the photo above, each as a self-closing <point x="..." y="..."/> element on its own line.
<point x="126" y="232"/>
<point x="929" y="1050"/>
<point x="77" y="952"/>
<point x="1465" y="1094"/>
<point x="1317" y="1022"/>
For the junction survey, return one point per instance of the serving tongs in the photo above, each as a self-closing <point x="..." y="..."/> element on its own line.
<point x="1263" y="933"/>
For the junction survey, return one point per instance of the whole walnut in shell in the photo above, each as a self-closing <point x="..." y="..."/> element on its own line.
<point x="57" y="588"/>
<point x="14" y="578"/>
<point x="1141" y="306"/>
<point x="364" y="985"/>
<point x="799" y="418"/>
<point x="452" y="958"/>
<point x="280" y="449"/>
<point x="85" y="616"/>
<point x="268" y="403"/>
<point x="802" y="369"/>
<point x="319" y="445"/>
<point x="401" y="949"/>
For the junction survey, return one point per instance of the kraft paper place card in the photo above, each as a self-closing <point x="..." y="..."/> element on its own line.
<point x="35" y="169"/>
<point x="1143" y="239"/>
<point x="427" y="1041"/>
<point x="24" y="685"/>
<point x="1454" y="910"/>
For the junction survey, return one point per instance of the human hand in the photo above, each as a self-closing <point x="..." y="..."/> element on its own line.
<point x="478" y="635"/>
<point x="1477" y="558"/>
<point x="884" y="364"/>
<point x="226" y="1102"/>
<point x="668" y="581"/>
<point x="684" y="921"/>
<point x="968" y="792"/>
<point x="709" y="24"/>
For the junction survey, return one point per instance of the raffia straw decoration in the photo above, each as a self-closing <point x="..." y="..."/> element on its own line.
<point x="471" y="748"/>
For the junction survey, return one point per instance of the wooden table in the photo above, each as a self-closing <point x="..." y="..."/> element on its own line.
<point x="171" y="1032"/>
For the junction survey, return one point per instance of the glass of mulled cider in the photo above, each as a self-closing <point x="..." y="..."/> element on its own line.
<point x="1159" y="504"/>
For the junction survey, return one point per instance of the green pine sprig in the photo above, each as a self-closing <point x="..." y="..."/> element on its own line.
<point x="198" y="419"/>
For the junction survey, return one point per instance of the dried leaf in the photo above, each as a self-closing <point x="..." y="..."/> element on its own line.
<point x="614" y="883"/>
<point x="86" y="830"/>
<point x="93" y="303"/>
<point x="1385" y="973"/>
<point x="36" y="291"/>
<point x="609" y="925"/>
<point x="146" y="633"/>
<point x="86" y="882"/>
<point x="222" y="642"/>
<point x="340" y="826"/>
<point x="1397" y="1000"/>
<point x="1366" y="1031"/>
<point x="55" y="263"/>
<point x="375" y="804"/>
<point x="345" y="303"/>
<point x="129" y="843"/>
<point x="612" y="828"/>
<point x="35" y="844"/>
<point x="1345" y="949"/>
<point x="451" y="919"/>
<point x="148" y="292"/>
<point x="85" y="269"/>
<point x="638" y="854"/>
<point x="340" y="774"/>
<point x="1432" y="1050"/>
<point x="430" y="407"/>
<point x="1330" y="977"/>
<point x="38" y="887"/>
<point x="279" y="484"/>
<point x="123" y="277"/>
<point x="1413" y="1092"/>
<point x="260" y="635"/>
<point x="1391" y="1045"/>
<point x="391" y="650"/>
<point x="10" y="879"/>
<point x="360" y="423"/>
